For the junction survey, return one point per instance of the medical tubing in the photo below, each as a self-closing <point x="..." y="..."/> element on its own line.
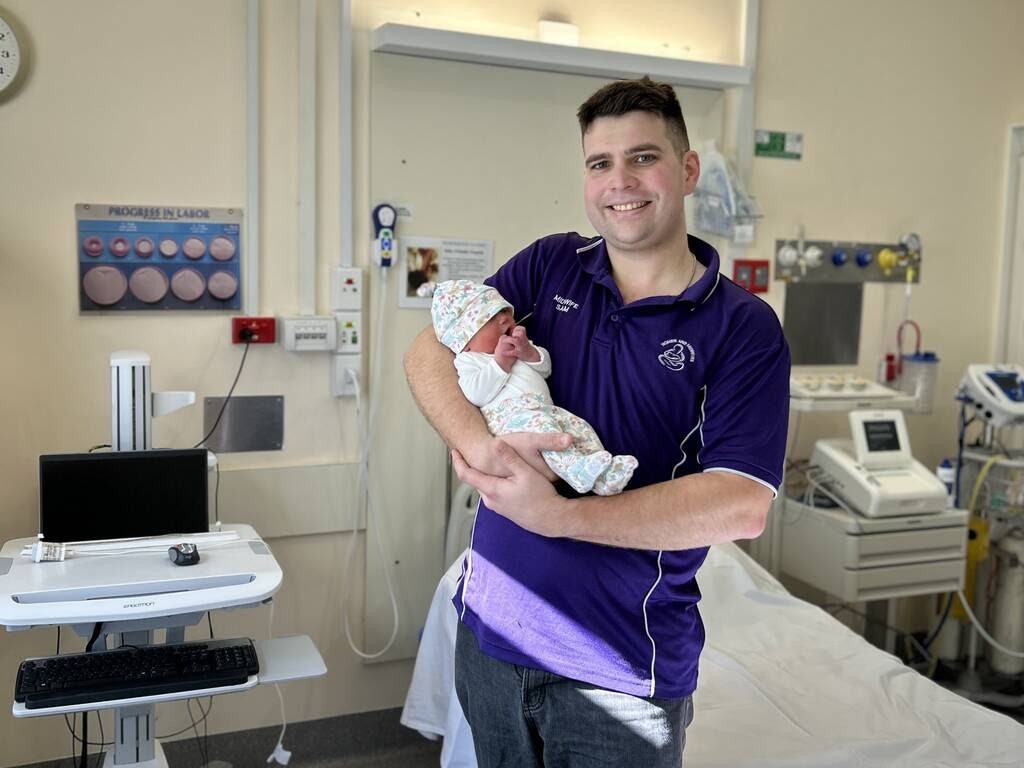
<point x="364" y="479"/>
<point x="899" y="336"/>
<point x="981" y="630"/>
<point x="907" y="291"/>
<point x="975" y="492"/>
<point x="366" y="433"/>
<point x="377" y="353"/>
<point x="816" y="483"/>
<point x="980" y="480"/>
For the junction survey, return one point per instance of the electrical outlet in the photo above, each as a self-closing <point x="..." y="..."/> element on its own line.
<point x="341" y="382"/>
<point x="350" y="331"/>
<point x="255" y="330"/>
<point x="346" y="288"/>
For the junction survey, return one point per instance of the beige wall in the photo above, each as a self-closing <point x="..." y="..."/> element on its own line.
<point x="905" y="109"/>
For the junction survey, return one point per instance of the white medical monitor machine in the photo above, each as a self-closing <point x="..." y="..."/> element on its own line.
<point x="995" y="392"/>
<point x="875" y="472"/>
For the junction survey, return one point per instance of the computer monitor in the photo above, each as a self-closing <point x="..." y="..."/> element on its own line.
<point x="821" y="322"/>
<point x="122" y="494"/>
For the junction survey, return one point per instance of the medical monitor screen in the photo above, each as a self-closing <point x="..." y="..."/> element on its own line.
<point x="881" y="436"/>
<point x="821" y="322"/>
<point x="1007" y="382"/>
<point x="122" y="494"/>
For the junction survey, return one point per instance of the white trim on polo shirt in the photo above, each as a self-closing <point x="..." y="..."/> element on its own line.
<point x="766" y="484"/>
<point x="647" y="628"/>
<point x="467" y="569"/>
<point x="698" y="425"/>
<point x="718" y="277"/>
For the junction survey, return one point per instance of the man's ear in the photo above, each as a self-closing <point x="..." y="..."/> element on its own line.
<point x="691" y="171"/>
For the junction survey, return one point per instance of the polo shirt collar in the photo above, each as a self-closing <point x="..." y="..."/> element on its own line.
<point x="594" y="260"/>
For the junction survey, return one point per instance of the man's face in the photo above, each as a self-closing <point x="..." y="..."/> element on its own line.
<point x="635" y="183"/>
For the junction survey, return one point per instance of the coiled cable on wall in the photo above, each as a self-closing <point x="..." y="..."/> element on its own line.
<point x="366" y="493"/>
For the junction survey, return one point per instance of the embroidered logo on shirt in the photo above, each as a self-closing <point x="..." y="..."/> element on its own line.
<point x="563" y="304"/>
<point x="677" y="353"/>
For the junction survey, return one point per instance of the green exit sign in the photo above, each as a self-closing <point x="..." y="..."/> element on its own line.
<point x="784" y="144"/>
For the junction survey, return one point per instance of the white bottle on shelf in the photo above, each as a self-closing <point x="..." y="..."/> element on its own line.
<point x="946" y="472"/>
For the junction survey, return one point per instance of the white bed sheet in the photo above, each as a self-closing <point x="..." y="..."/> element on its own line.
<point x="782" y="683"/>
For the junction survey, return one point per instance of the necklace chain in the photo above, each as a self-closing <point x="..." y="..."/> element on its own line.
<point x="693" y="272"/>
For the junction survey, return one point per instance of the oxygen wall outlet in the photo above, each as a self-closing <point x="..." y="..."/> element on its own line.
<point x="350" y="332"/>
<point x="343" y="367"/>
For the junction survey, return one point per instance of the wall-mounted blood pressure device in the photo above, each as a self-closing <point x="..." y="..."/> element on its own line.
<point x="384" y="245"/>
<point x="995" y="392"/>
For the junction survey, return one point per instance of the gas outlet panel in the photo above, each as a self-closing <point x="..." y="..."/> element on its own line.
<point x="836" y="261"/>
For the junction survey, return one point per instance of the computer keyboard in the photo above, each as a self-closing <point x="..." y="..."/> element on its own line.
<point x="131" y="671"/>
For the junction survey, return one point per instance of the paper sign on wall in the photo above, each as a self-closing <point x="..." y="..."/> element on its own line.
<point x="429" y="260"/>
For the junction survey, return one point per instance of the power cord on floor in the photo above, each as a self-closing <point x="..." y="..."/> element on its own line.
<point x="280" y="755"/>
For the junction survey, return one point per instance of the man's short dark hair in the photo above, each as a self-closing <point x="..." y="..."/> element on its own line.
<point x="643" y="95"/>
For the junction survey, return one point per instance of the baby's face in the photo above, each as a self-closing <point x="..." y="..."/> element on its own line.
<point x="486" y="339"/>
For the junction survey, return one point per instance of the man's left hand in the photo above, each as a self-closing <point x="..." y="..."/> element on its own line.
<point x="525" y="496"/>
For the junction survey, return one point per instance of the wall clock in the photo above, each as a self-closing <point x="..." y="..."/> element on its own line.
<point x="12" y="59"/>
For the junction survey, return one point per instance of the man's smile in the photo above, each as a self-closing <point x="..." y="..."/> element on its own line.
<point x="622" y="207"/>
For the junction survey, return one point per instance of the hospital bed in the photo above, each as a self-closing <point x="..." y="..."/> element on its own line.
<point x="782" y="683"/>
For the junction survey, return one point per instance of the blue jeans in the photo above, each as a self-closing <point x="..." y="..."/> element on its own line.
<point x="525" y="718"/>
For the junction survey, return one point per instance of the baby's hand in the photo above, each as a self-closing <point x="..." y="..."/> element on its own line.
<point x="505" y="353"/>
<point x="525" y="351"/>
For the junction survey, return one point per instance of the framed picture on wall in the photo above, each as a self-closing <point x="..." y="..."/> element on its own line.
<point x="426" y="261"/>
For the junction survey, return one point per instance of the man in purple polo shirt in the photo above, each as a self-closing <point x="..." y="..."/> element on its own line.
<point x="580" y="635"/>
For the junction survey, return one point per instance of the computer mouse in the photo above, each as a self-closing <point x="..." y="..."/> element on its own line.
<point x="183" y="554"/>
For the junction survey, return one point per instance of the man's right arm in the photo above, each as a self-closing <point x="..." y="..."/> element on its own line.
<point x="435" y="388"/>
<point x="434" y="384"/>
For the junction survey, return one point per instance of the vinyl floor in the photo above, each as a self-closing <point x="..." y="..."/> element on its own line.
<point x="367" y="740"/>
